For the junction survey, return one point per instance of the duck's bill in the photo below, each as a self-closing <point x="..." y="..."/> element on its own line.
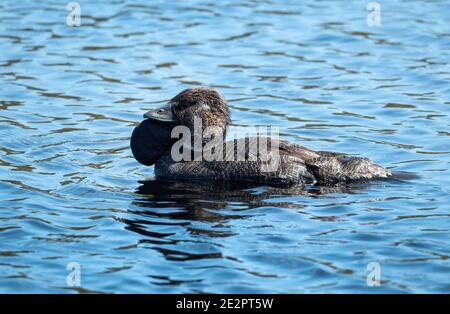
<point x="163" y="114"/>
<point x="150" y="140"/>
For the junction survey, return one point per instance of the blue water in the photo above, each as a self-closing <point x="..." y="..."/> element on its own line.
<point x="70" y="190"/>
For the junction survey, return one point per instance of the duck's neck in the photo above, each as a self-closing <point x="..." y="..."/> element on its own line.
<point x="190" y="143"/>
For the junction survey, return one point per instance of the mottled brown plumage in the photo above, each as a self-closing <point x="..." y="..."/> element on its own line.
<point x="297" y="164"/>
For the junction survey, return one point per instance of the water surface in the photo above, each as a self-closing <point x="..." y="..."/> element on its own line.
<point x="70" y="190"/>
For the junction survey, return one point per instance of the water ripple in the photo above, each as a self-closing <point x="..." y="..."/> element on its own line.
<point x="72" y="192"/>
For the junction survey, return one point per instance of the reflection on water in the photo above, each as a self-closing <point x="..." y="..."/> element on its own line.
<point x="70" y="190"/>
<point x="202" y="201"/>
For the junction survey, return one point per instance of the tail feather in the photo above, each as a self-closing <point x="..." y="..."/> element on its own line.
<point x="346" y="169"/>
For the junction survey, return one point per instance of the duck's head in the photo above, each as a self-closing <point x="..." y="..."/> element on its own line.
<point x="152" y="137"/>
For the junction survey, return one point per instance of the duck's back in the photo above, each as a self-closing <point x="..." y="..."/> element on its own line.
<point x="284" y="163"/>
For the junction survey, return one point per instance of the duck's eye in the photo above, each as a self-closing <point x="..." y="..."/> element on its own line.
<point x="161" y="111"/>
